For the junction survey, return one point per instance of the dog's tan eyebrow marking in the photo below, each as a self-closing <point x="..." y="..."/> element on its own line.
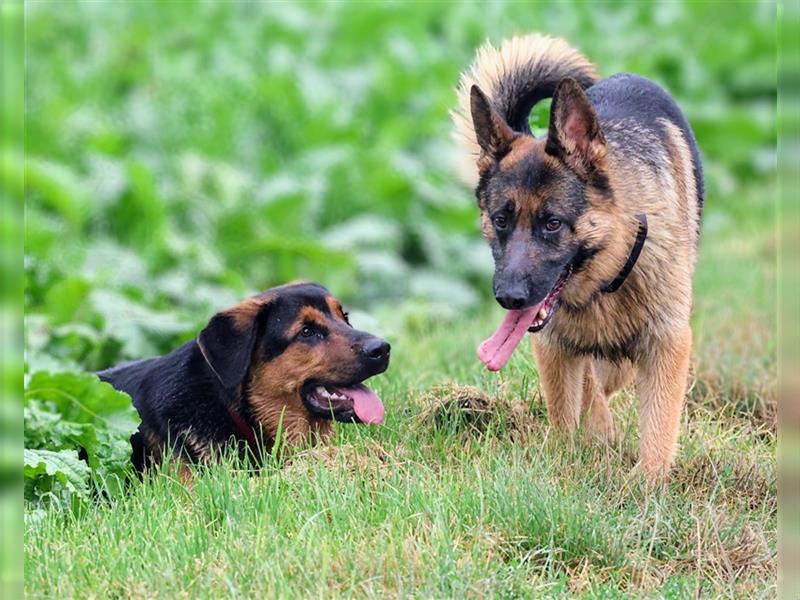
<point x="335" y="306"/>
<point x="305" y="315"/>
<point x="486" y="226"/>
<point x="525" y="201"/>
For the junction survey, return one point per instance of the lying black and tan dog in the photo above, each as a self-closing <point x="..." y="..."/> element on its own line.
<point x="287" y="358"/>
<point x="594" y="230"/>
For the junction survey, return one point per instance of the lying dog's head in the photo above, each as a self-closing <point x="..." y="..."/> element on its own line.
<point x="295" y="357"/>
<point x="546" y="204"/>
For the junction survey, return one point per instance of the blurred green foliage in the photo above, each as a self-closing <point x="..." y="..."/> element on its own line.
<point x="181" y="155"/>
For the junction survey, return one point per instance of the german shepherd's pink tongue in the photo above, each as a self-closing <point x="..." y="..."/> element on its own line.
<point x="496" y="351"/>
<point x="366" y="404"/>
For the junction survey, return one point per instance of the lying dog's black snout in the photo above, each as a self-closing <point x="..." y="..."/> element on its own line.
<point x="376" y="349"/>
<point x="374" y="355"/>
<point x="512" y="297"/>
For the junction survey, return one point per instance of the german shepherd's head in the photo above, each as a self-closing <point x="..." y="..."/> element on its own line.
<point x="546" y="205"/>
<point x="296" y="359"/>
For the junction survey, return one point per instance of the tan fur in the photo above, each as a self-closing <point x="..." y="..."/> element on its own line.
<point x="561" y="378"/>
<point x="486" y="227"/>
<point x="680" y="163"/>
<point x="246" y="311"/>
<point x="154" y="445"/>
<point x="306" y="314"/>
<point x="274" y="393"/>
<point x="186" y="475"/>
<point x="520" y="148"/>
<point x="659" y="287"/>
<point x="335" y="306"/>
<point x="661" y="383"/>
<point x="598" y="422"/>
<point x="280" y="409"/>
<point x="197" y="445"/>
<point x="274" y="387"/>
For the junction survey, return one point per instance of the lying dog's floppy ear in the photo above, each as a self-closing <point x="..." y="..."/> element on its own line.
<point x="227" y="341"/>
<point x="493" y="134"/>
<point x="574" y="134"/>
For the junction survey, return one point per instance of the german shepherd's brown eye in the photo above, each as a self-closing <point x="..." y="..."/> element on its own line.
<point x="552" y="225"/>
<point x="306" y="331"/>
<point x="500" y="221"/>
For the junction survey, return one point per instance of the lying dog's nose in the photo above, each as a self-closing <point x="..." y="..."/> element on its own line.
<point x="376" y="349"/>
<point x="512" y="298"/>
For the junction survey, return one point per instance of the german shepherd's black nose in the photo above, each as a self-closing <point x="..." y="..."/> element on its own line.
<point x="512" y="297"/>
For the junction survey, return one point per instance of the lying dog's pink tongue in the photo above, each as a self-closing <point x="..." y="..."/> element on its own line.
<point x="496" y="351"/>
<point x="366" y="404"/>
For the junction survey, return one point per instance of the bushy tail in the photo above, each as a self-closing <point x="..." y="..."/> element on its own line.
<point x="515" y="76"/>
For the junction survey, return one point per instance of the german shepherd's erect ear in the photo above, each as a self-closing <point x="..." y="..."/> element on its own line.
<point x="227" y="341"/>
<point x="574" y="135"/>
<point x="494" y="135"/>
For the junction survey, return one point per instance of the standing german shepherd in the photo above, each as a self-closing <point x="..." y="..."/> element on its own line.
<point x="594" y="232"/>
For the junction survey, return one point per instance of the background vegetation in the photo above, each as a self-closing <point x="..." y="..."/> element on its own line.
<point x="182" y="155"/>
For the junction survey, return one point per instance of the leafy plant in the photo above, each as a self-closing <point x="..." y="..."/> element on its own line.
<point x="77" y="436"/>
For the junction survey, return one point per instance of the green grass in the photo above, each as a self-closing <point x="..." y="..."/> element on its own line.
<point x="432" y="504"/>
<point x="422" y="507"/>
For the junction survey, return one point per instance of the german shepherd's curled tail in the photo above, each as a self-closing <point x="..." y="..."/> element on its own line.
<point x="594" y="232"/>
<point x="515" y="76"/>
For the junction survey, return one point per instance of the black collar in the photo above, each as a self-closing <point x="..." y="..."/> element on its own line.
<point x="641" y="236"/>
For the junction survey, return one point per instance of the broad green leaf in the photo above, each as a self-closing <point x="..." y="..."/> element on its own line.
<point x="47" y="470"/>
<point x="91" y="415"/>
<point x="83" y="398"/>
<point x="45" y="427"/>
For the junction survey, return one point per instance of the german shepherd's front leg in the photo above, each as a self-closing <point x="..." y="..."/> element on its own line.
<point x="598" y="422"/>
<point x="562" y="378"/>
<point x="661" y="383"/>
<point x="603" y="380"/>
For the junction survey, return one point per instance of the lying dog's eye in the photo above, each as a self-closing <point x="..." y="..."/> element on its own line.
<point x="552" y="225"/>
<point x="307" y="331"/>
<point x="500" y="221"/>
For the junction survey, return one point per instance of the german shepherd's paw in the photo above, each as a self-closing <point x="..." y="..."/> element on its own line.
<point x="653" y="473"/>
<point x="599" y="427"/>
